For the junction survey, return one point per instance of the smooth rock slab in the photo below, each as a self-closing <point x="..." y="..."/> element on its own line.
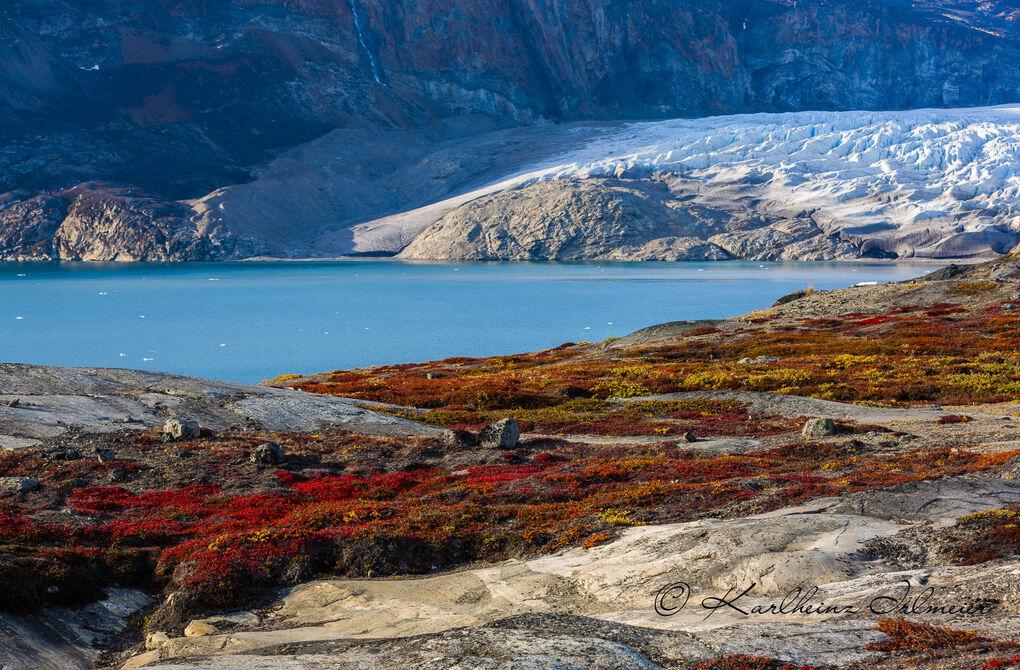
<point x="65" y="639"/>
<point x="778" y="404"/>
<point x="104" y="400"/>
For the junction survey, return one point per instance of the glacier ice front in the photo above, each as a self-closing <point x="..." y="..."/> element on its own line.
<point x="921" y="183"/>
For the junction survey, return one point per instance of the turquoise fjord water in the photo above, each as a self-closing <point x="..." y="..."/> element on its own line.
<point x="252" y="321"/>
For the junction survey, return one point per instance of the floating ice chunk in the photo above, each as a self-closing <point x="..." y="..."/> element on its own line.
<point x="148" y="359"/>
<point x="18" y="318"/>
<point x="866" y="283"/>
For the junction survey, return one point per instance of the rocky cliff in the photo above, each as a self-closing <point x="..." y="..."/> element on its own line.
<point x="180" y="99"/>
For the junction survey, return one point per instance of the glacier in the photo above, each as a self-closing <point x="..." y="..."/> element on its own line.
<point x="939" y="183"/>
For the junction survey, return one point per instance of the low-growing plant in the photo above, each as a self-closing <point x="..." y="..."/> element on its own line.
<point x="918" y="636"/>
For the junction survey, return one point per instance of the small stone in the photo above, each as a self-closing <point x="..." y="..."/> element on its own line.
<point x="268" y="453"/>
<point x="502" y="434"/>
<point x="688" y="437"/>
<point x="182" y="429"/>
<point x="156" y="640"/>
<point x="199" y="628"/>
<point x="819" y="427"/>
<point x="18" y="484"/>
<point x="106" y="455"/>
<point x="759" y="361"/>
<point x="11" y="402"/>
<point x="68" y="454"/>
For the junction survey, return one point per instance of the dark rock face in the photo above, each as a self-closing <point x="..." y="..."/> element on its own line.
<point x="177" y="99"/>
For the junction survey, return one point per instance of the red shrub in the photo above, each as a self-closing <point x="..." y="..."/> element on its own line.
<point x="954" y="418"/>
<point x="911" y="635"/>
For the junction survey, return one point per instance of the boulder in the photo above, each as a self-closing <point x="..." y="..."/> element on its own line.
<point x="819" y="427"/>
<point x="199" y="628"/>
<point x="268" y="453"/>
<point x="18" y="484"/>
<point x="182" y="429"/>
<point x="502" y="434"/>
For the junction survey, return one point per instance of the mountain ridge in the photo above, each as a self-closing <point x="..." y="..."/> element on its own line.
<point x="179" y="100"/>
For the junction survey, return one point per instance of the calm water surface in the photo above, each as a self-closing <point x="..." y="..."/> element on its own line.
<point x="252" y="321"/>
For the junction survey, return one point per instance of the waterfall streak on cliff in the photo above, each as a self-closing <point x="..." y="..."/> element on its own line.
<point x="361" y="40"/>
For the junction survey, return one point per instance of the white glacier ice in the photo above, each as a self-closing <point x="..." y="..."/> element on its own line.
<point x="929" y="182"/>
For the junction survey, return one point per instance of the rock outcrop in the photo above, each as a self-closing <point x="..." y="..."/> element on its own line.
<point x="56" y="401"/>
<point x="599" y="606"/>
<point x="573" y="219"/>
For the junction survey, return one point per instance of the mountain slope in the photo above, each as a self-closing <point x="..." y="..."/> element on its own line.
<point x="177" y="100"/>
